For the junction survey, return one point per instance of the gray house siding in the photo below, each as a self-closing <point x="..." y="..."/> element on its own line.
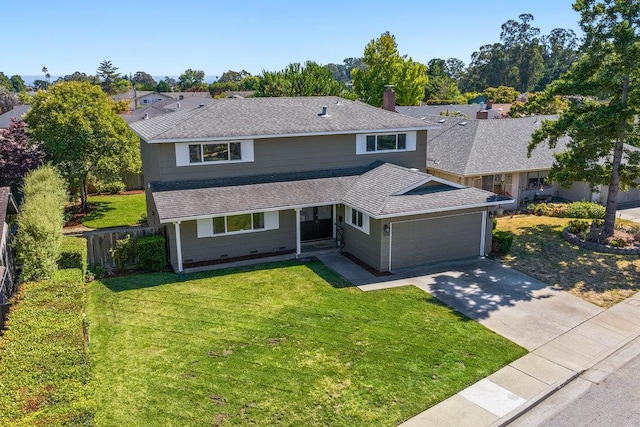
<point x="365" y="247"/>
<point x="196" y="249"/>
<point x="277" y="155"/>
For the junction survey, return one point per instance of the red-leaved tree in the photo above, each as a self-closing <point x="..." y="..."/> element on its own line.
<point x="18" y="155"/>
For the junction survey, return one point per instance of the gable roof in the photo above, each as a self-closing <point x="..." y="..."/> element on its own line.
<point x="15" y="113"/>
<point x="380" y="190"/>
<point x="271" y="117"/>
<point x="479" y="147"/>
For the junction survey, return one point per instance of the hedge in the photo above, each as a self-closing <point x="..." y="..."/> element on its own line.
<point x="73" y="254"/>
<point x="40" y="222"/>
<point x="502" y="242"/>
<point x="44" y="367"/>
<point x="152" y="254"/>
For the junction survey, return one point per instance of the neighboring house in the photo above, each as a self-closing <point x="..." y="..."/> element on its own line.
<point x="468" y="111"/>
<point x="140" y="98"/>
<point x="163" y="107"/>
<point x="492" y="155"/>
<point x="242" y="178"/>
<point x="16" y="113"/>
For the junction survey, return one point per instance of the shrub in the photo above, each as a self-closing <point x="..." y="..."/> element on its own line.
<point x="152" y="254"/>
<point x="587" y="210"/>
<point x="579" y="228"/>
<point x="73" y="254"/>
<point x="502" y="242"/>
<point x="123" y="251"/>
<point x="40" y="223"/>
<point x="111" y="187"/>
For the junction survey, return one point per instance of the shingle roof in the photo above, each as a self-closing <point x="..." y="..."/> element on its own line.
<point x="165" y="106"/>
<point x="469" y="110"/>
<point x="17" y="113"/>
<point x="264" y="117"/>
<point x="382" y="190"/>
<point x="488" y="147"/>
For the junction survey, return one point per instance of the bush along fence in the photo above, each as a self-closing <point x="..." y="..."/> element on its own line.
<point x="126" y="248"/>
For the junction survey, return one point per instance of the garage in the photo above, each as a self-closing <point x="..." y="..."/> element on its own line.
<point x="434" y="239"/>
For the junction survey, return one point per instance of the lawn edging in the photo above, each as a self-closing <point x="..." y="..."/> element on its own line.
<point x="597" y="247"/>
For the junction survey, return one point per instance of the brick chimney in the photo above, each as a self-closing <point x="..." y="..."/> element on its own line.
<point x="482" y="115"/>
<point x="489" y="104"/>
<point x="389" y="98"/>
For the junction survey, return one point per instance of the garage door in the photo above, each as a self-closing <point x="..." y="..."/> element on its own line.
<point x="435" y="239"/>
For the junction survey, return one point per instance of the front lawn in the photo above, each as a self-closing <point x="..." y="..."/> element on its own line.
<point x="114" y="210"/>
<point x="540" y="251"/>
<point x="283" y="343"/>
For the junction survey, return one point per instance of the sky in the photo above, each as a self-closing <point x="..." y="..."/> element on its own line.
<point x="167" y="37"/>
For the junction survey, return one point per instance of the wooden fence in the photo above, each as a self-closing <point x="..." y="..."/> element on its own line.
<point x="100" y="242"/>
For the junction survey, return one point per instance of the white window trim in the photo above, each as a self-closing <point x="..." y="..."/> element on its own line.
<point x="365" y="220"/>
<point x="361" y="142"/>
<point x="182" y="153"/>
<point x="205" y="226"/>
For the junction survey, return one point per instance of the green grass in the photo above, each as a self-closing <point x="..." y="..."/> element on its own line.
<point x="44" y="368"/>
<point x="540" y="251"/>
<point x="285" y="343"/>
<point x="115" y="210"/>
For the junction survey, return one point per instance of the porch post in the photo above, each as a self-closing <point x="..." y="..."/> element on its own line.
<point x="178" y="246"/>
<point x="483" y="233"/>
<point x="298" y="245"/>
<point x="335" y="221"/>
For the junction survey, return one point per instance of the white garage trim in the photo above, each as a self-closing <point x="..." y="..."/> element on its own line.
<point x="483" y="229"/>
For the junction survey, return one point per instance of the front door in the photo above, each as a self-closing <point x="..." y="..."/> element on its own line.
<point x="316" y="223"/>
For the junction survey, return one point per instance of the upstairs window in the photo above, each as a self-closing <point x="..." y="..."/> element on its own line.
<point x="205" y="153"/>
<point x="391" y="142"/>
<point x="385" y="142"/>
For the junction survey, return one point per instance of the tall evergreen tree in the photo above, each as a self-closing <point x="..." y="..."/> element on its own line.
<point x="599" y="129"/>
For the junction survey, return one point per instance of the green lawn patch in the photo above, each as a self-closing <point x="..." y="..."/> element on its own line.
<point x="115" y="210"/>
<point x="44" y="369"/>
<point x="540" y="251"/>
<point x="284" y="343"/>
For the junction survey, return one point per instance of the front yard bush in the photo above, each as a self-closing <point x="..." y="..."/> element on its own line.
<point x="152" y="254"/>
<point x="502" y="242"/>
<point x="585" y="210"/>
<point x="40" y="223"/>
<point x="73" y="254"/>
<point x="44" y="367"/>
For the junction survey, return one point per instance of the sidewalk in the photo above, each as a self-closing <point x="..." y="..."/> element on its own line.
<point x="516" y="388"/>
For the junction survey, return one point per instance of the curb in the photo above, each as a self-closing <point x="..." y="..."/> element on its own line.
<point x="540" y="397"/>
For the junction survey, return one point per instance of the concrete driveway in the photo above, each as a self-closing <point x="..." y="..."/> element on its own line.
<point x="514" y="305"/>
<point x="631" y="213"/>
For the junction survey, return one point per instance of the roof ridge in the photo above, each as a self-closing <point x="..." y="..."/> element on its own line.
<point x="473" y="144"/>
<point x="186" y="115"/>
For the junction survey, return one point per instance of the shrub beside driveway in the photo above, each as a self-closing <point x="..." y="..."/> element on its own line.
<point x="540" y="251"/>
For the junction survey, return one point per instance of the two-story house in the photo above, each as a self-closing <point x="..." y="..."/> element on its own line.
<point x="240" y="178"/>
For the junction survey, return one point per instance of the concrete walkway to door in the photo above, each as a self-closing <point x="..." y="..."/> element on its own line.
<point x="564" y="334"/>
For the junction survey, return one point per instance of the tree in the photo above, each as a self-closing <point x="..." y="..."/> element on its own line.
<point x="8" y="100"/>
<point x="79" y="77"/>
<point x="109" y="77"/>
<point x="296" y="79"/>
<point x="190" y="78"/>
<point x="143" y="81"/>
<point x="163" y="86"/>
<point x="560" y="50"/>
<point x="18" y="155"/>
<point x="81" y="133"/>
<point x="501" y="94"/>
<point x="40" y="84"/>
<point x="18" y="84"/>
<point x="537" y="103"/>
<point x="599" y="130"/>
<point x="249" y="83"/>
<point x="47" y="77"/>
<point x="233" y="76"/>
<point x="385" y="66"/>
<point x="5" y="82"/>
